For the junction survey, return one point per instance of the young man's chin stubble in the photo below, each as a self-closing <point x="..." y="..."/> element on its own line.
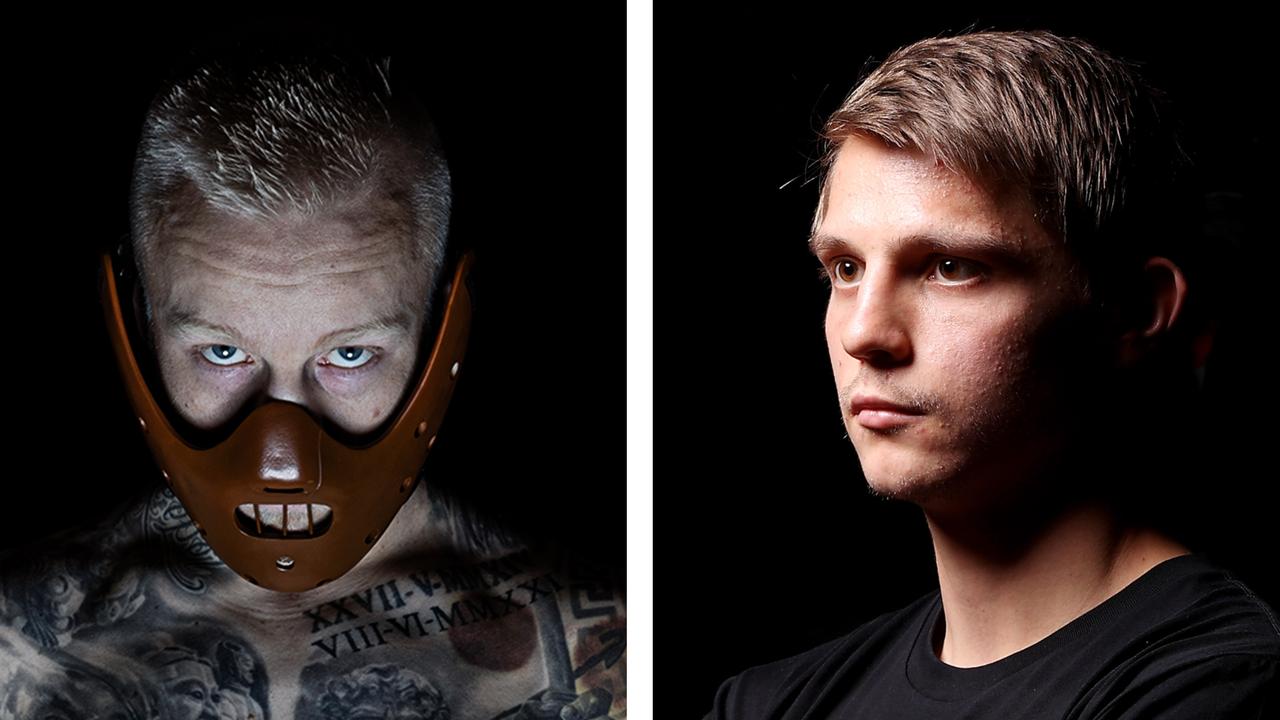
<point x="986" y="468"/>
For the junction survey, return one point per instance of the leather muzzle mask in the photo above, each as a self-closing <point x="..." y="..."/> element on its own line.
<point x="280" y="499"/>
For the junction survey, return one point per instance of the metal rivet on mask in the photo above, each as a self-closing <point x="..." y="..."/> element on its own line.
<point x="421" y="429"/>
<point x="431" y="442"/>
<point x="453" y="371"/>
<point x="284" y="562"/>
<point x="407" y="482"/>
<point x="165" y="474"/>
<point x="143" y="423"/>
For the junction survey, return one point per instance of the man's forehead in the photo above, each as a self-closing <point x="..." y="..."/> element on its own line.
<point x="348" y="272"/>
<point x="288" y="245"/>
<point x="323" y="311"/>
<point x="863" y="164"/>
<point x="904" y="197"/>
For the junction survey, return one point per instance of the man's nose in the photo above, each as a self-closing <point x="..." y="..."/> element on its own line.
<point x="288" y="387"/>
<point x="876" y="321"/>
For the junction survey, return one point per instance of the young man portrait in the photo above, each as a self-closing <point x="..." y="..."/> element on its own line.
<point x="289" y="315"/>
<point x="1017" y="307"/>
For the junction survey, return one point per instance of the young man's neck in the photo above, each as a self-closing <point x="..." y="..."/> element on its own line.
<point x="1006" y="586"/>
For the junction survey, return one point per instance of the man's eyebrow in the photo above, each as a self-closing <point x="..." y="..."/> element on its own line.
<point x="181" y="319"/>
<point x="821" y="244"/>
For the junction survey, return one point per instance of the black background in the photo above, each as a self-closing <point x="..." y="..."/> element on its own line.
<point x="531" y="109"/>
<point x="767" y="540"/>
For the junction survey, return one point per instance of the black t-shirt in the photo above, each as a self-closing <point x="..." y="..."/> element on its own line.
<point x="1185" y="640"/>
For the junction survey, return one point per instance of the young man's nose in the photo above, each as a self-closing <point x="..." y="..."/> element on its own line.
<point x="289" y="387"/>
<point x="875" y="323"/>
<point x="292" y="387"/>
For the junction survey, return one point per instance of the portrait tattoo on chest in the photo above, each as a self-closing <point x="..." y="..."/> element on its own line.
<point x="126" y="619"/>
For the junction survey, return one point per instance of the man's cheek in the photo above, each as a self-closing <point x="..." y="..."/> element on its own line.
<point x="838" y="358"/>
<point x="199" y="400"/>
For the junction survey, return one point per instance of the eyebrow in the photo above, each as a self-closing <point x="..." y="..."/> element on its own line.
<point x="182" y="320"/>
<point x="820" y="244"/>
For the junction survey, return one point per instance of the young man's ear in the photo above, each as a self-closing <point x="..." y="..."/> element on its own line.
<point x="1156" y="306"/>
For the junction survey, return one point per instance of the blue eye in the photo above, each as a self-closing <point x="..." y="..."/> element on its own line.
<point x="223" y="355"/>
<point x="350" y="357"/>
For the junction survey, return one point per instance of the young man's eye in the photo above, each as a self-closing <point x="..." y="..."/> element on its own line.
<point x="838" y="269"/>
<point x="349" y="358"/>
<point x="949" y="268"/>
<point x="844" y="269"/>
<point x="953" y="270"/>
<point x="224" y="355"/>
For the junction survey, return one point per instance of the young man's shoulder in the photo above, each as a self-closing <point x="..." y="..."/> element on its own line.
<point x="760" y="690"/>
<point x="1189" y="634"/>
<point x="1198" y="643"/>
<point x="1202" y="607"/>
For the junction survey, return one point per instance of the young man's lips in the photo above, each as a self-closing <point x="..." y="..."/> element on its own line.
<point x="879" y="418"/>
<point x="875" y="412"/>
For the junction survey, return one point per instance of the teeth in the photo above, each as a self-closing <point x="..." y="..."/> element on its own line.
<point x="297" y="517"/>
<point x="272" y="520"/>
<point x="269" y="515"/>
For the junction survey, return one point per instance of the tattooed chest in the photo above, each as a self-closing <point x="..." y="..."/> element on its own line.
<point x="477" y="653"/>
<point x="422" y="646"/>
<point x="423" y="605"/>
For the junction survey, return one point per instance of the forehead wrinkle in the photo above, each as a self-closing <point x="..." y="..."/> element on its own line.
<point x="355" y="229"/>
<point x="295" y="240"/>
<point x="397" y="318"/>
<point x="183" y="320"/>
<point x="373" y="259"/>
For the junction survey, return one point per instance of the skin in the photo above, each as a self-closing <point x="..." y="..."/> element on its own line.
<point x="277" y="290"/>
<point x="138" y="617"/>
<point x="989" y="344"/>
<point x="430" y="623"/>
<point x="245" y="310"/>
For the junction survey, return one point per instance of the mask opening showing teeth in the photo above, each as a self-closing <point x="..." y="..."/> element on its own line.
<point x="302" y="520"/>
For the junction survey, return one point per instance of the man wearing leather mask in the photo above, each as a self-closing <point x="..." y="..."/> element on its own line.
<point x="289" y="323"/>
